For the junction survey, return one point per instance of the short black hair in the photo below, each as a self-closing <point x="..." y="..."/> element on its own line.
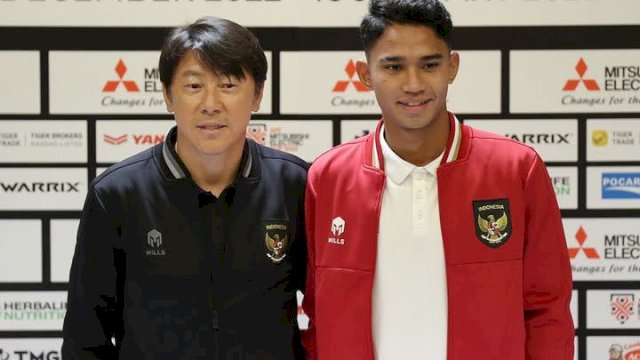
<point x="383" y="13"/>
<point x="221" y="46"/>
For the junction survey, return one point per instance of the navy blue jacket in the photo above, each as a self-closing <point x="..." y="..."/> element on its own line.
<point x="164" y="270"/>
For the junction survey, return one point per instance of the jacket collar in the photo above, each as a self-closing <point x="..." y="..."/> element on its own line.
<point x="175" y="169"/>
<point x="456" y="145"/>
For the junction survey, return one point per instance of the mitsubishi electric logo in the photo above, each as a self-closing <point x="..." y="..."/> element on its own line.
<point x="344" y="94"/>
<point x="572" y="84"/>
<point x="337" y="228"/>
<point x="112" y="85"/>
<point x="154" y="240"/>
<point x="581" y="237"/>
<point x="342" y="85"/>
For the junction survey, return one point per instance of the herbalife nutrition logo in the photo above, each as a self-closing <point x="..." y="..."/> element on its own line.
<point x="112" y="85"/>
<point x="33" y="311"/>
<point x="581" y="69"/>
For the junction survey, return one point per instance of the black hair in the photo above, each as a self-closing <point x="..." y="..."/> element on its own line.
<point x="220" y="45"/>
<point x="383" y="13"/>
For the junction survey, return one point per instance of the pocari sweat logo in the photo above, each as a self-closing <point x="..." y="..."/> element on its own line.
<point x="621" y="185"/>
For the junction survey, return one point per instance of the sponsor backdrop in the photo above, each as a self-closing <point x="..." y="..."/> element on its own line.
<point x="80" y="91"/>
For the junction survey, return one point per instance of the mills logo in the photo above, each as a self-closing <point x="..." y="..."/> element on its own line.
<point x="589" y="252"/>
<point x="342" y="85"/>
<point x="338" y="227"/>
<point x="112" y="85"/>
<point x="589" y="84"/>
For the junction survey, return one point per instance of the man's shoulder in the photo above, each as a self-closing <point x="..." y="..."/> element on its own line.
<point x="128" y="170"/>
<point x="346" y="154"/>
<point x="270" y="155"/>
<point x="485" y="141"/>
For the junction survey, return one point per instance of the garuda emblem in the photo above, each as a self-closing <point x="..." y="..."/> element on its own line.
<point x="492" y="221"/>
<point x="276" y="239"/>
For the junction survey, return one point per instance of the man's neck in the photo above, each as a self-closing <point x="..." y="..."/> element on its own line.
<point x="214" y="172"/>
<point x="418" y="146"/>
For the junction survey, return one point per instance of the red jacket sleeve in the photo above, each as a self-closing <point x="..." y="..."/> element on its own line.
<point x="547" y="272"/>
<point x="308" y="303"/>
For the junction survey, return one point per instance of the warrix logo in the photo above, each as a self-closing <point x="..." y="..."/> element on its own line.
<point x="581" y="237"/>
<point x="572" y="84"/>
<point x="342" y="85"/>
<point x="337" y="226"/>
<point x="45" y="187"/>
<point x="115" y="140"/>
<point x="129" y="85"/>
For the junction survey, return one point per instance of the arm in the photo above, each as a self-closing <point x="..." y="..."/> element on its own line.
<point x="93" y="315"/>
<point x="308" y="303"/>
<point x="547" y="272"/>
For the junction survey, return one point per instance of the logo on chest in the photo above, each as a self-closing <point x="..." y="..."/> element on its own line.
<point x="276" y="239"/>
<point x="154" y="244"/>
<point x="492" y="221"/>
<point x="337" y="228"/>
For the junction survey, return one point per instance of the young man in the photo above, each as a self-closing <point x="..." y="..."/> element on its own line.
<point x="195" y="248"/>
<point x="429" y="239"/>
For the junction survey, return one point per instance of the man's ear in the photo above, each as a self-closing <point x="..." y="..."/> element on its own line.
<point x="454" y="65"/>
<point x="167" y="99"/>
<point x="257" y="99"/>
<point x="363" y="73"/>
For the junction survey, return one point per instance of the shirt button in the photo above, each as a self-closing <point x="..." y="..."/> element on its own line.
<point x="419" y="176"/>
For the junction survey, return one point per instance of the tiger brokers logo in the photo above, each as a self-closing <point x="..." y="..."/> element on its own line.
<point x="602" y="86"/>
<point x="348" y="89"/>
<point x="127" y="90"/>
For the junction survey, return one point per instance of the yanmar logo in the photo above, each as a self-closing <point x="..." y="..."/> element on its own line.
<point x="40" y="187"/>
<point x="112" y="85"/>
<point x="589" y="252"/>
<point x="337" y="228"/>
<point x="138" y="139"/>
<point x="342" y="85"/>
<point x="581" y="69"/>
<point x="115" y="140"/>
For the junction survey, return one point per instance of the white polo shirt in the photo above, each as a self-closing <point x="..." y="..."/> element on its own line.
<point x="410" y="286"/>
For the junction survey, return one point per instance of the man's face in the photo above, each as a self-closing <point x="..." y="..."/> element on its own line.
<point x="410" y="69"/>
<point x="212" y="111"/>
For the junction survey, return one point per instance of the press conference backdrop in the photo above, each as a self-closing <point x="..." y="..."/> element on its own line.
<point x="80" y="90"/>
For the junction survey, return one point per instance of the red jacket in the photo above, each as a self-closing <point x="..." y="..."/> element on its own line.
<point x="508" y="290"/>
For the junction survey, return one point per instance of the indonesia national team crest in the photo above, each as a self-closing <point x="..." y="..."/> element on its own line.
<point x="276" y="238"/>
<point x="492" y="220"/>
